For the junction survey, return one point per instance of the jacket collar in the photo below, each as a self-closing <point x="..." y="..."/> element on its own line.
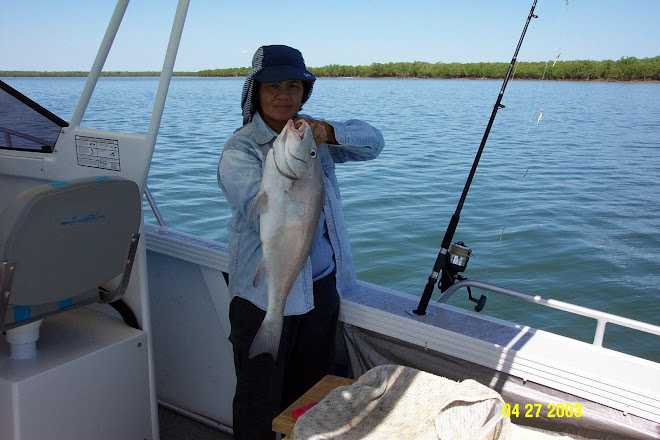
<point x="263" y="134"/>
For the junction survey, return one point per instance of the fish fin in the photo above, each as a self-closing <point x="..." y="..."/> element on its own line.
<point x="267" y="340"/>
<point x="260" y="276"/>
<point x="259" y="206"/>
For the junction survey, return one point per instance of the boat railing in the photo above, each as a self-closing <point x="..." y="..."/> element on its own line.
<point x="602" y="318"/>
<point x="154" y="206"/>
<point x="9" y="132"/>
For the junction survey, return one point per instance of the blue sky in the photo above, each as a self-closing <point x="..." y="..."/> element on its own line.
<point x="64" y="35"/>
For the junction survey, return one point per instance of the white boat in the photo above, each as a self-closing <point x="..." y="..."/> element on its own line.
<point x="70" y="205"/>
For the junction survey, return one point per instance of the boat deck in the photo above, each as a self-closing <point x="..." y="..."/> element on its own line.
<point x="174" y="426"/>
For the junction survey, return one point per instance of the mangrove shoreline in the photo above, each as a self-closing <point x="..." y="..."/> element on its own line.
<point x="624" y="69"/>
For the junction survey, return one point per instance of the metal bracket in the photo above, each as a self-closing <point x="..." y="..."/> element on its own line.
<point x="6" y="278"/>
<point x="110" y="296"/>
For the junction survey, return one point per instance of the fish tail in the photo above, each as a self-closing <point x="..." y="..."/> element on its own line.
<point x="267" y="339"/>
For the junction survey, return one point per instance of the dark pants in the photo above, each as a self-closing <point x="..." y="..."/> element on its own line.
<point x="264" y="387"/>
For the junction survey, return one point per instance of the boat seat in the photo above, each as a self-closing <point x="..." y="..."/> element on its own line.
<point x="60" y="242"/>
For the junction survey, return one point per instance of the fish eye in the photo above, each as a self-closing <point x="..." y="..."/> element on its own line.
<point x="313" y="153"/>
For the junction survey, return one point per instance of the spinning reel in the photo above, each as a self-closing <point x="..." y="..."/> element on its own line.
<point x="458" y="256"/>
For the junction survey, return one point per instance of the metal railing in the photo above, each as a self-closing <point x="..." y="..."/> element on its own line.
<point x="602" y="318"/>
<point x="154" y="207"/>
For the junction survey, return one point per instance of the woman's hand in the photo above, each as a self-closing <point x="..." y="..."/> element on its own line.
<point x="321" y="130"/>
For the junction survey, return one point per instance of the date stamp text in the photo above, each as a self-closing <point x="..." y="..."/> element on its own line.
<point x="550" y="410"/>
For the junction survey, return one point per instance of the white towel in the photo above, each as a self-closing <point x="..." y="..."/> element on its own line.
<point x="396" y="402"/>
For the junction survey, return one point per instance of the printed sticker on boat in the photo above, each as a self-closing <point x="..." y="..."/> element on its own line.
<point x="98" y="153"/>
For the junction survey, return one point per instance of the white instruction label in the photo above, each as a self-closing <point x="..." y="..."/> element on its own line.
<point x="98" y="153"/>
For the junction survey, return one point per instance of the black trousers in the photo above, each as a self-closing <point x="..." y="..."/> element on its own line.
<point x="265" y="387"/>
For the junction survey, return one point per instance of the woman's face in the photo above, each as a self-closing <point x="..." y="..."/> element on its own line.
<point x="280" y="102"/>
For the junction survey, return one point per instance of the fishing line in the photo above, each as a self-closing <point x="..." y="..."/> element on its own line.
<point x="515" y="69"/>
<point x="533" y="121"/>
<point x="536" y="112"/>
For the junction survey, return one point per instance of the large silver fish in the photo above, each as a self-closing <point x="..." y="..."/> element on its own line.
<point x="289" y="204"/>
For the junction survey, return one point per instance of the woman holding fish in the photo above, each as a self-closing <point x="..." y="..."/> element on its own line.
<point x="290" y="259"/>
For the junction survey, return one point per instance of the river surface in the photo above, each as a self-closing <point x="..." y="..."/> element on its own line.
<point x="566" y="206"/>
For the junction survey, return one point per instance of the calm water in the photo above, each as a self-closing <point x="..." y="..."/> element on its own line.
<point x="567" y="208"/>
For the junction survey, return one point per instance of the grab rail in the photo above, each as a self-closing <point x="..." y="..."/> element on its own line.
<point x="9" y="132"/>
<point x="602" y="318"/>
<point x="154" y="207"/>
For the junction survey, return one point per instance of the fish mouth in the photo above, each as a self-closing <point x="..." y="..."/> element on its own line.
<point x="288" y="160"/>
<point x="300" y="133"/>
<point x="298" y="158"/>
<point x="288" y="172"/>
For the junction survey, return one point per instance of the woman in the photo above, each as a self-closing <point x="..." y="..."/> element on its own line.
<point x="274" y="92"/>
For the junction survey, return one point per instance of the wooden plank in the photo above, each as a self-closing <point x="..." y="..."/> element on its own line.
<point x="284" y="422"/>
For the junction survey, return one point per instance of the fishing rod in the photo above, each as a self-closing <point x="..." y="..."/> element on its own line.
<point x="453" y="259"/>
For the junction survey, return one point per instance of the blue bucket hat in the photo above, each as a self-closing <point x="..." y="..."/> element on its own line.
<point x="272" y="64"/>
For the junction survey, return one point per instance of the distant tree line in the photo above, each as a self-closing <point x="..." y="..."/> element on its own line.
<point x="624" y="69"/>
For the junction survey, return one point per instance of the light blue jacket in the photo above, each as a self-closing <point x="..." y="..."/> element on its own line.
<point x="239" y="175"/>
